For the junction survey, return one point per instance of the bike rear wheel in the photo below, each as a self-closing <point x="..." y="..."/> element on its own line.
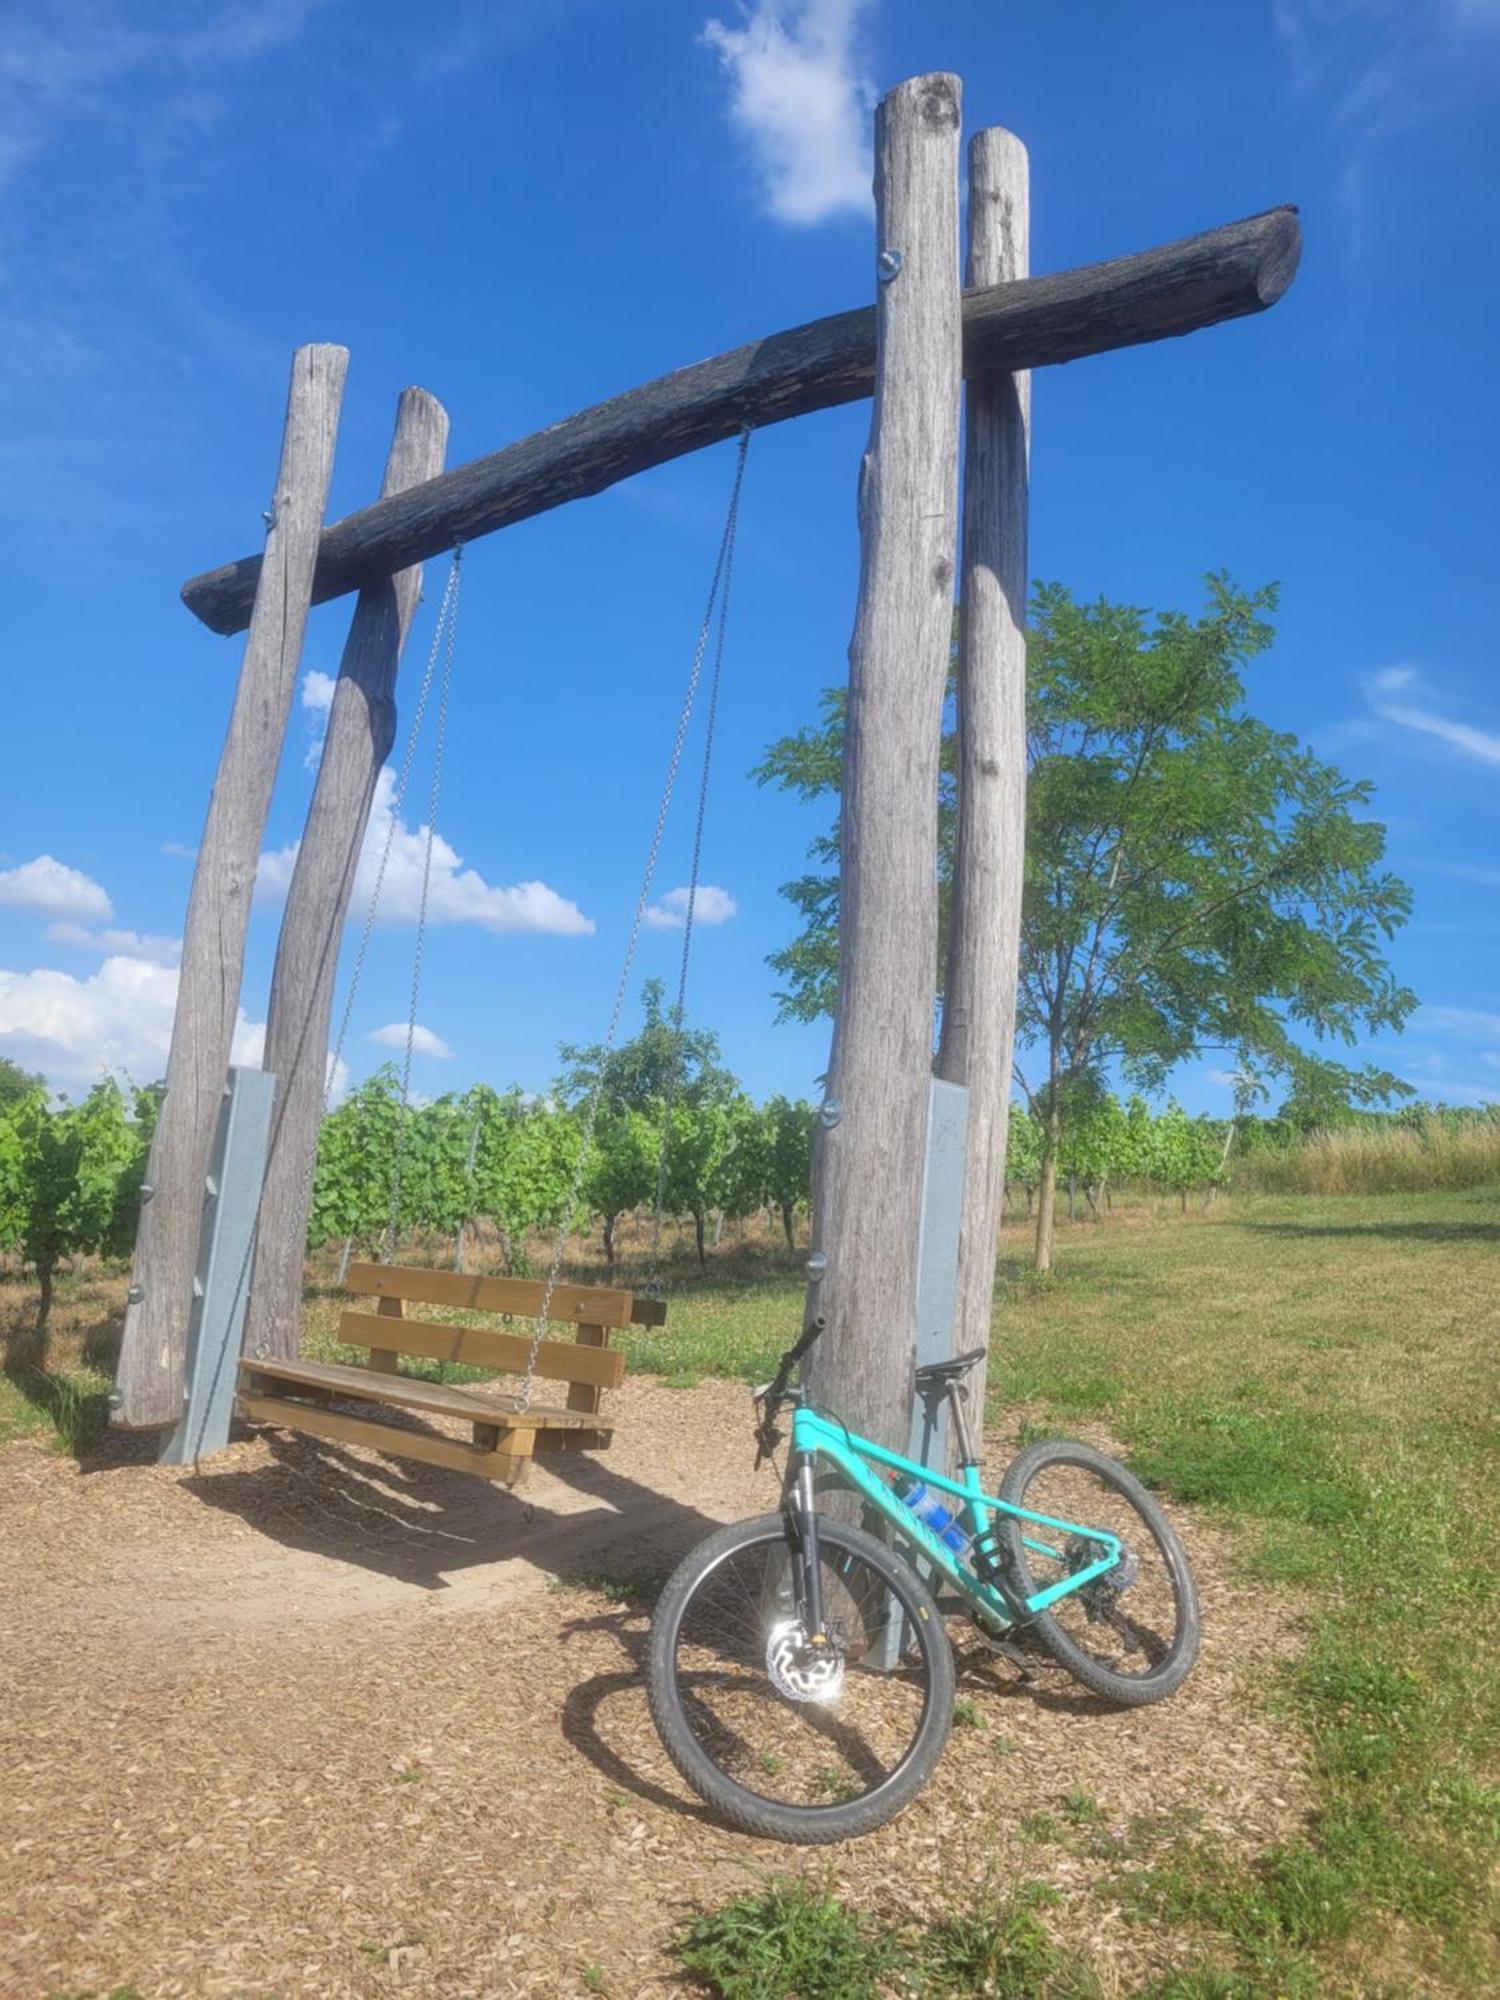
<point x="1132" y="1634"/>
<point x="785" y="1740"/>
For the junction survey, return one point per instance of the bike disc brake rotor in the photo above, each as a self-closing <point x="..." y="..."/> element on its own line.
<point x="800" y="1670"/>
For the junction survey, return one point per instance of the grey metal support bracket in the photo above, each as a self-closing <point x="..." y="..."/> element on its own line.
<point x="944" y="1165"/>
<point x="943" y="1173"/>
<point x="226" y="1247"/>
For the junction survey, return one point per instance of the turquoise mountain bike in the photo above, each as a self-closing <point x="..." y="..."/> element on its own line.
<point x="800" y="1674"/>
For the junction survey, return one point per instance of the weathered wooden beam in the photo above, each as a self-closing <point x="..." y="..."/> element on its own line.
<point x="361" y="726"/>
<point x="984" y="924"/>
<point x="867" y="1169"/>
<point x="1222" y="274"/>
<point x="148" y="1385"/>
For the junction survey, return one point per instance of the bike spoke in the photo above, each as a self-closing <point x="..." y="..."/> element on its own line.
<point x="1126" y="1619"/>
<point x="787" y="1749"/>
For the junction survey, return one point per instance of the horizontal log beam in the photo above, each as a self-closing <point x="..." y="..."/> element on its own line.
<point x="1032" y="323"/>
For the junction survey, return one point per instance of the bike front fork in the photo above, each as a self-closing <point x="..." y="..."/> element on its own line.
<point x="801" y="1514"/>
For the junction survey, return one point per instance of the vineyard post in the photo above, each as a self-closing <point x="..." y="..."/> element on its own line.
<point x="361" y="727"/>
<point x="149" y="1383"/>
<point x="984" y="930"/>
<point x="867" y="1175"/>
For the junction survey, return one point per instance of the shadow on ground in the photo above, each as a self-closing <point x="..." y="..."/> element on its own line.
<point x="1396" y="1232"/>
<point x="417" y="1523"/>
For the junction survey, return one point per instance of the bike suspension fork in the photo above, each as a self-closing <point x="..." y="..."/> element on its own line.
<point x="804" y="1513"/>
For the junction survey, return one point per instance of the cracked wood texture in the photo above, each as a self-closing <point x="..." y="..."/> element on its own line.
<point x="1176" y="288"/>
<point x="867" y="1172"/>
<point x="150" y="1378"/>
<point x="984" y="926"/>
<point x="361" y="729"/>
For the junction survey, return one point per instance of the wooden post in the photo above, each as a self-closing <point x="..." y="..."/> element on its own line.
<point x="361" y="726"/>
<point x="1156" y="294"/>
<point x="148" y="1388"/>
<point x="867" y="1180"/>
<point x="979" y="1003"/>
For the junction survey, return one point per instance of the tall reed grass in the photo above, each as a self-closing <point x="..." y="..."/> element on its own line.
<point x="1442" y="1153"/>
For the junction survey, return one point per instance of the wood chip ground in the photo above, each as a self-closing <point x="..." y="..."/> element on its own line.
<point x="304" y="1722"/>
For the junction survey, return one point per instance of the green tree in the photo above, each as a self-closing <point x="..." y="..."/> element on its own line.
<point x="621" y="1172"/>
<point x="1195" y="880"/>
<point x="788" y="1146"/>
<point x="67" y="1169"/>
<point x="17" y="1083"/>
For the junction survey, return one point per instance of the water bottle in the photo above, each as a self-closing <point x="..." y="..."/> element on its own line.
<point x="926" y="1505"/>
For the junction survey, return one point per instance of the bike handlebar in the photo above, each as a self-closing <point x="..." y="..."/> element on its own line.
<point x="773" y="1394"/>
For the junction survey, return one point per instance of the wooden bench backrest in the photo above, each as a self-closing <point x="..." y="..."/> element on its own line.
<point x="586" y="1361"/>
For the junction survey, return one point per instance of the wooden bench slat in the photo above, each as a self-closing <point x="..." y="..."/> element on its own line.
<point x="484" y="1347"/>
<point x="406" y="1392"/>
<point x="600" y="1305"/>
<point x="505" y="1466"/>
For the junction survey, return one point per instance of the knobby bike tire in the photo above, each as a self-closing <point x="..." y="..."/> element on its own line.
<point x="738" y="1804"/>
<point x="1126" y="1690"/>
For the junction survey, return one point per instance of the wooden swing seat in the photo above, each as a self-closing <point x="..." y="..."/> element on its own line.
<point x="298" y="1395"/>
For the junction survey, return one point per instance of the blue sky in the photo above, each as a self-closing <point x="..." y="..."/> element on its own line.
<point x="526" y="207"/>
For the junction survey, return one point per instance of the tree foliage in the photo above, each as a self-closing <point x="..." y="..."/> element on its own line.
<point x="1195" y="880"/>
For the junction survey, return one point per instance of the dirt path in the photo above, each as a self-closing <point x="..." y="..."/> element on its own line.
<point x="309" y="1723"/>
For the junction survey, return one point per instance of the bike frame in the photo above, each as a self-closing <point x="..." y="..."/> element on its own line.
<point x="854" y="1459"/>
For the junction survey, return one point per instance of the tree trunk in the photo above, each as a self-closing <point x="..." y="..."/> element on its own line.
<point x="1046" y="1202"/>
<point x="984" y="932"/>
<point x="869" y="1146"/>
<point x="344" y="1259"/>
<point x="698" y="1235"/>
<point x="361" y="727"/>
<point x="44" y="1276"/>
<point x="788" y="1210"/>
<point x="150" y="1379"/>
<point x="609" y="1244"/>
<point x="1072" y="1197"/>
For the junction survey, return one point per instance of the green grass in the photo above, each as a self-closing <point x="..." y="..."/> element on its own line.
<point x="792" y="1941"/>
<point x="1333" y="1374"/>
<point x="1321" y="1374"/>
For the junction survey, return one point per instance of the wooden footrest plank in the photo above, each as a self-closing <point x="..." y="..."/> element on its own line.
<point x="507" y="1466"/>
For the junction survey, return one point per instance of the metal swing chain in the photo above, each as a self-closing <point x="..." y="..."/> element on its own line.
<point x="446" y="619"/>
<point x="448" y="626"/>
<point x="447" y="610"/>
<point x="591" y="1103"/>
<point x="653" y="1277"/>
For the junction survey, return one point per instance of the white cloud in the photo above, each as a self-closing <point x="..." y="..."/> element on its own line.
<point x="1382" y="68"/>
<point x="51" y="886"/>
<point x="117" y="1021"/>
<point x="317" y="700"/>
<point x="802" y="97"/>
<point x="710" y="906"/>
<point x="423" y="1040"/>
<point x="135" y="944"/>
<point x="175" y="851"/>
<point x="1417" y="715"/>
<point x="456" y="895"/>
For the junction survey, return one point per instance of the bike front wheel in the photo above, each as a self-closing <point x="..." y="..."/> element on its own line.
<point x="785" y="1739"/>
<point x="1131" y="1634"/>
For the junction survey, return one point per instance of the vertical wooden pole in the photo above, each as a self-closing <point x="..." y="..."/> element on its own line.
<point x="148" y="1388"/>
<point x="867" y="1182"/>
<point x="979" y="1005"/>
<point x="361" y="726"/>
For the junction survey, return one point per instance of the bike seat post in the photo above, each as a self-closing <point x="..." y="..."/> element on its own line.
<point x="966" y="1455"/>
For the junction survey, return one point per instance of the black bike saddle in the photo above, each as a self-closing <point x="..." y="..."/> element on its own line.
<point x="950" y="1370"/>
